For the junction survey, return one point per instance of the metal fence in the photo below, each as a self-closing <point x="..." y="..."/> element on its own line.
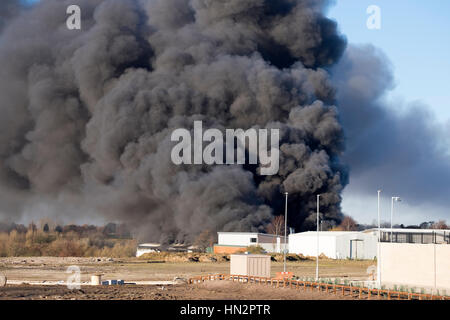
<point x="416" y="237"/>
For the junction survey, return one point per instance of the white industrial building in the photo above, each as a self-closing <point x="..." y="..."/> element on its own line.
<point x="144" y="248"/>
<point x="239" y="240"/>
<point x="335" y="244"/>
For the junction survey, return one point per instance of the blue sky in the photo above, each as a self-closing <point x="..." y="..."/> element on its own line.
<point x="415" y="35"/>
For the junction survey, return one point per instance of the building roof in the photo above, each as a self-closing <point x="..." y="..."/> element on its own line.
<point x="250" y="233"/>
<point x="149" y="245"/>
<point x="400" y="230"/>
<point x="324" y="233"/>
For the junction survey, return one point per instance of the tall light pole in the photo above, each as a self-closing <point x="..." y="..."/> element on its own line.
<point x="317" y="258"/>
<point x="285" y="232"/>
<point x="392" y="212"/>
<point x="378" y="247"/>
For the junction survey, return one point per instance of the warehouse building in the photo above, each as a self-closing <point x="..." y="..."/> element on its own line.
<point x="144" y="248"/>
<point x="234" y="242"/>
<point x="335" y="244"/>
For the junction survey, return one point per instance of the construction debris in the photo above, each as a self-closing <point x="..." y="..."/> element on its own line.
<point x="179" y="280"/>
<point x="113" y="282"/>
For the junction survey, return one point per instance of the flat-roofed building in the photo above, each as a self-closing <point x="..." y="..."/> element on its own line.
<point x="334" y="244"/>
<point x="144" y="248"/>
<point x="233" y="242"/>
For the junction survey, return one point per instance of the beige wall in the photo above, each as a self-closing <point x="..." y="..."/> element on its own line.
<point x="415" y="265"/>
<point x="443" y="263"/>
<point x="250" y="265"/>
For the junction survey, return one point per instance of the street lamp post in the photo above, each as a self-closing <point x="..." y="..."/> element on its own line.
<point x="378" y="247"/>
<point x="392" y="213"/>
<point x="285" y="232"/>
<point x="317" y="258"/>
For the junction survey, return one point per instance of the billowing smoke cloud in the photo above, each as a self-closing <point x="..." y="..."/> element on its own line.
<point x="87" y="115"/>
<point x="400" y="148"/>
<point x="8" y="10"/>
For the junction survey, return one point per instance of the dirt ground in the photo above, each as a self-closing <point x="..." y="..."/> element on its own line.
<point x="217" y="290"/>
<point x="131" y="269"/>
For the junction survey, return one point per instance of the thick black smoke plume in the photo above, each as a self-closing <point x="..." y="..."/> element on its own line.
<point x="86" y="116"/>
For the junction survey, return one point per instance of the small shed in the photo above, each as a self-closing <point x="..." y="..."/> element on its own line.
<point x="257" y="265"/>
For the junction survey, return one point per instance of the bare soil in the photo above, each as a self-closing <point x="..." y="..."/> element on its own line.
<point x="217" y="290"/>
<point x="47" y="269"/>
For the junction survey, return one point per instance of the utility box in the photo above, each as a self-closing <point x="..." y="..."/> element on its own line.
<point x="256" y="265"/>
<point x="96" y="279"/>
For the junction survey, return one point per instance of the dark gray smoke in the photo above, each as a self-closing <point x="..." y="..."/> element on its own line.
<point x="87" y="115"/>
<point x="399" y="148"/>
<point x="8" y="10"/>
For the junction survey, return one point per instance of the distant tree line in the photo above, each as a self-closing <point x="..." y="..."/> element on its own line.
<point x="109" y="230"/>
<point x="51" y="239"/>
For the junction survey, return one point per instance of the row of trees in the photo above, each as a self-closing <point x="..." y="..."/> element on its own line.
<point x="111" y="230"/>
<point x="347" y="224"/>
<point x="40" y="243"/>
<point x="50" y="239"/>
